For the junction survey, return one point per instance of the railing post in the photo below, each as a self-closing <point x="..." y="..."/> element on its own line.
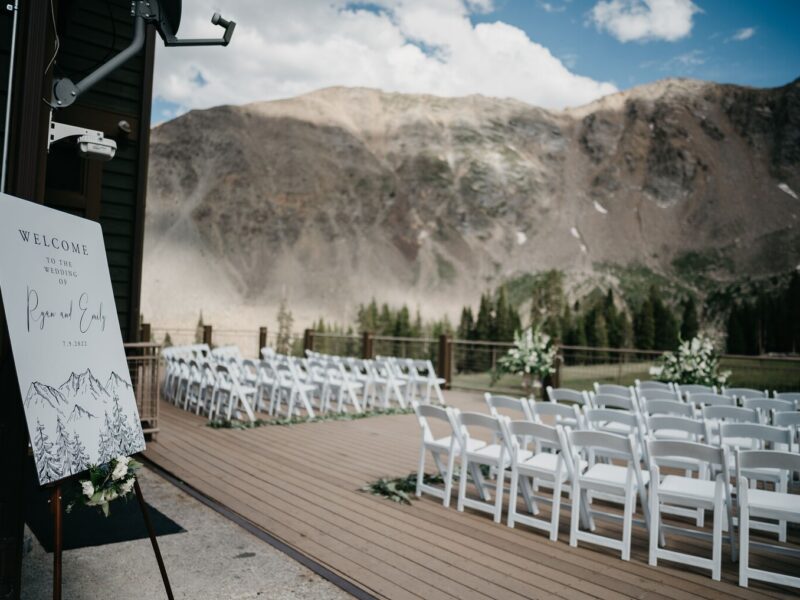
<point x="308" y="340"/>
<point x="207" y="335"/>
<point x="144" y="334"/>
<point x="444" y="367"/>
<point x="262" y="340"/>
<point x="366" y="345"/>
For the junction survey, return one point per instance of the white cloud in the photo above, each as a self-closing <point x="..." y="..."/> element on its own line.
<point x="743" y="34"/>
<point x="283" y="48"/>
<point x="644" y="20"/>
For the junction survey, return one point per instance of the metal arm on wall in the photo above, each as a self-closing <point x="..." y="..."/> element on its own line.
<point x="165" y="15"/>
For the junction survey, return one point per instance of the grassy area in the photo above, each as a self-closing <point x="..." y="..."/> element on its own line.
<point x="757" y="373"/>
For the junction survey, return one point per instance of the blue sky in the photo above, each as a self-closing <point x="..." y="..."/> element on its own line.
<point x="771" y="57"/>
<point x="551" y="53"/>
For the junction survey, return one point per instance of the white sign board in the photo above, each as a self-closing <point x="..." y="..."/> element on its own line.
<point x="65" y="336"/>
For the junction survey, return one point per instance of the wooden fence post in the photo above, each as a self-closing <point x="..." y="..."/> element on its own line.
<point x="262" y="340"/>
<point x="444" y="366"/>
<point x="366" y="345"/>
<point x="207" y="335"/>
<point x="145" y="333"/>
<point x="308" y="340"/>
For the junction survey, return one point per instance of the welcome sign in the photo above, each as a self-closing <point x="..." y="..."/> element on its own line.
<point x="73" y="375"/>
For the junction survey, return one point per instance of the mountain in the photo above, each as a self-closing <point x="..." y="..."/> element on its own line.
<point x="43" y="396"/>
<point x="346" y="193"/>
<point x="77" y="413"/>
<point x="84" y="388"/>
<point x="117" y="385"/>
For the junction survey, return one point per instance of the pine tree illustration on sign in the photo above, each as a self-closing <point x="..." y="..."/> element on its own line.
<point x="62" y="449"/>
<point x="46" y="462"/>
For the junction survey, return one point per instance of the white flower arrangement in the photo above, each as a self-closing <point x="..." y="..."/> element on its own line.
<point x="695" y="362"/>
<point x="533" y="355"/>
<point x="107" y="482"/>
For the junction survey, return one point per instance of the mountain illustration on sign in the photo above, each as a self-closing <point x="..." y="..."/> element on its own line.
<point x="42" y="395"/>
<point x="84" y="387"/>
<point x="80" y="423"/>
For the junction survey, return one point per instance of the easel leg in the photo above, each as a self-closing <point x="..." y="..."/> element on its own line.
<point x="55" y="505"/>
<point x="153" y="540"/>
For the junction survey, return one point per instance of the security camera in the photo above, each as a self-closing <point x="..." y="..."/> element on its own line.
<point x="91" y="144"/>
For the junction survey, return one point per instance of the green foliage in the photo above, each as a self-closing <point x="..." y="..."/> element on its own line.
<point x="547" y="303"/>
<point x="690" y="324"/>
<point x="400" y="489"/>
<point x="198" y="331"/>
<point x="378" y="412"/>
<point x="283" y="343"/>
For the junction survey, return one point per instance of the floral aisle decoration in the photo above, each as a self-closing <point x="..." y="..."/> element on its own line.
<point x="110" y="481"/>
<point x="695" y="362"/>
<point x="533" y="356"/>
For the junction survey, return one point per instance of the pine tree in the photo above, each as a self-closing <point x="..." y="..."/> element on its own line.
<point x="466" y="324"/>
<point x="503" y="325"/>
<point x="198" y="331"/>
<point x="167" y="340"/>
<point x="736" y="343"/>
<point x="483" y="324"/>
<point x="47" y="464"/>
<point x="79" y="458"/>
<point x="645" y="326"/>
<point x="62" y="448"/>
<point x="665" y="331"/>
<point x="792" y="304"/>
<point x="689" y="322"/>
<point x="123" y="436"/>
<point x="283" y="343"/>
<point x="418" y="328"/>
<point x="385" y="325"/>
<point x="106" y="448"/>
<point x="613" y="319"/>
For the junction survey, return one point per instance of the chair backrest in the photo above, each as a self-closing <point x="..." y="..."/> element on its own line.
<point x="694" y="428"/>
<point x="731" y="434"/>
<point x="613" y="388"/>
<point x="660" y="451"/>
<point x="786" y="419"/>
<point x="730" y="413"/>
<point x="566" y="395"/>
<point x="518" y="405"/>
<point x="767" y="406"/>
<point x="766" y="459"/>
<point x="649" y="385"/>
<point x="667" y="407"/>
<point x="706" y="399"/>
<point x="791" y="396"/>
<point x="518" y="434"/>
<point x="599" y="418"/>
<point x="613" y="401"/>
<point x="563" y="414"/>
<point x="479" y="420"/>
<point x="743" y="393"/>
<point x="659" y="394"/>
<point x="619" y="445"/>
<point x="425" y="412"/>
<point x="696" y="388"/>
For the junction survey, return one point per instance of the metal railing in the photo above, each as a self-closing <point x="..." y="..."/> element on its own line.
<point x="144" y="367"/>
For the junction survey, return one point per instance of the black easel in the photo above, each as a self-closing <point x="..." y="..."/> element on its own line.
<point x="55" y="504"/>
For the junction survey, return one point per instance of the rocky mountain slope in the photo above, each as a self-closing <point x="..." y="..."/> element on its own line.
<point x="344" y="194"/>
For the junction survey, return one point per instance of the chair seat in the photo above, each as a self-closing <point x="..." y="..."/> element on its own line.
<point x="490" y="453"/>
<point x="763" y="500"/>
<point x="444" y="443"/>
<point x="610" y="475"/>
<point x="545" y="461"/>
<point x="696" y="489"/>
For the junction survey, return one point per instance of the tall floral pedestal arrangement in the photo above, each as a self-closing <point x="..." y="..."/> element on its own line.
<point x="533" y="357"/>
<point x="695" y="362"/>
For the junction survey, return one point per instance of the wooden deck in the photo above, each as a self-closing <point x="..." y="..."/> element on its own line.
<point x="302" y="485"/>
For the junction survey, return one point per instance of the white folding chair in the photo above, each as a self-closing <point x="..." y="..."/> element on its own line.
<point x="551" y="413"/>
<point x="695" y="388"/>
<point x="689" y="492"/>
<point x="614" y="389"/>
<point x="492" y="455"/>
<point x="438" y="447"/>
<point x="613" y="480"/>
<point x="667" y="407"/>
<point x="790" y="396"/>
<point x="714" y="415"/>
<point x="764" y="504"/>
<point x="742" y="393"/>
<point x="518" y="406"/>
<point x="552" y="469"/>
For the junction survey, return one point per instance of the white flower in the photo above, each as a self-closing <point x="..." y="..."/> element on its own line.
<point x="87" y="488"/>
<point x="126" y="487"/>
<point x="121" y="469"/>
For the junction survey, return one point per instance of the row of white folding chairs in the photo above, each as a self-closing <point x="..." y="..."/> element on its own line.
<point x="659" y="389"/>
<point x="615" y="397"/>
<point x="572" y="462"/>
<point x="408" y="379"/>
